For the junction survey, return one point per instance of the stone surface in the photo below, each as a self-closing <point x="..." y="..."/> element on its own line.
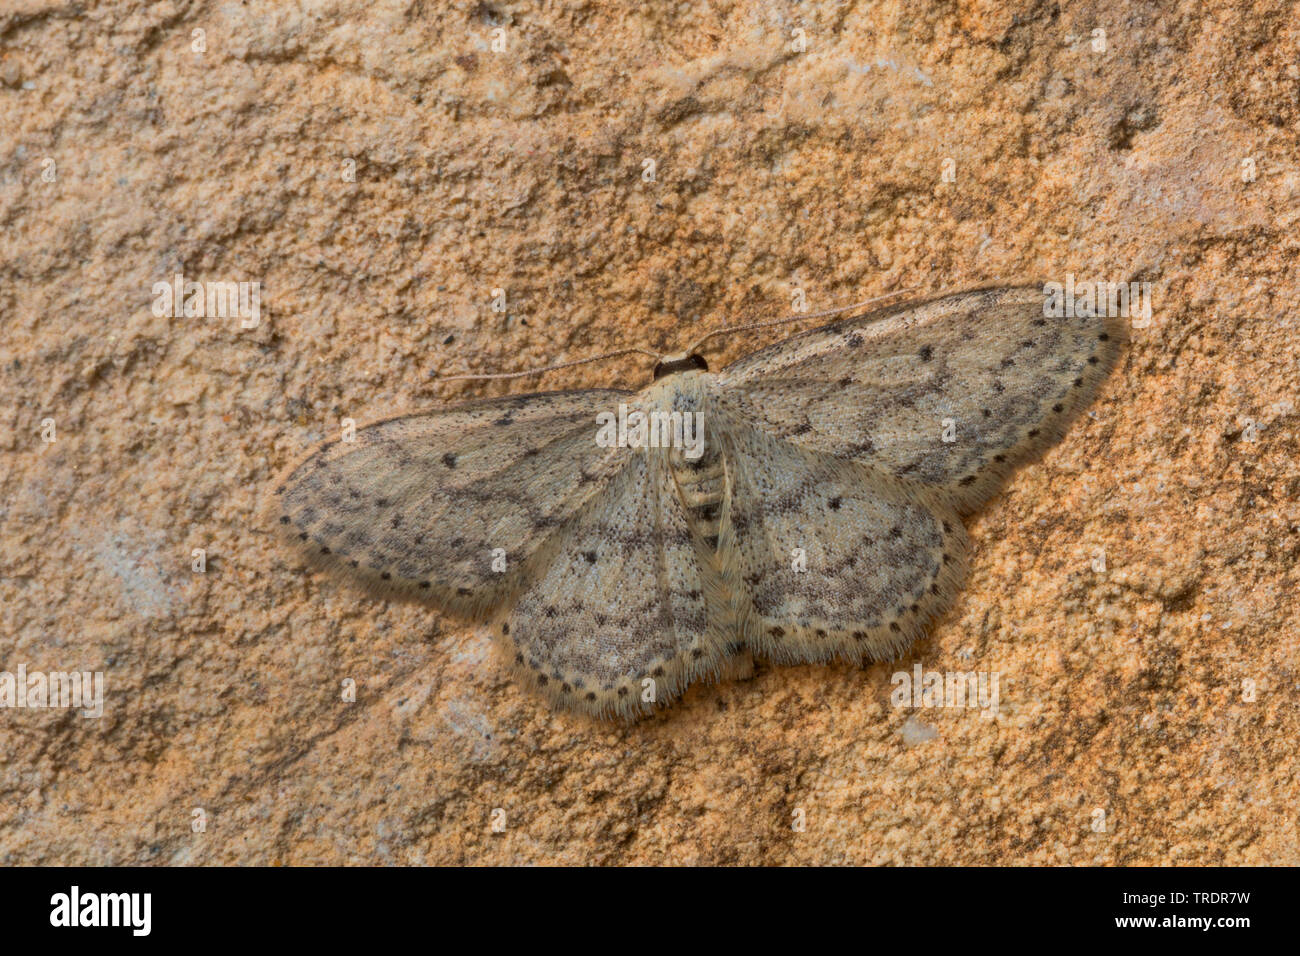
<point x="379" y="169"/>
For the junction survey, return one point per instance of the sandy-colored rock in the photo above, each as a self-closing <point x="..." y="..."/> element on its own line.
<point x="380" y="169"/>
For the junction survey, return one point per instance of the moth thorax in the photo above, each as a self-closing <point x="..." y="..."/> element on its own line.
<point x="680" y="362"/>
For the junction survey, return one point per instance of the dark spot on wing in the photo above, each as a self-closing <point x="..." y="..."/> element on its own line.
<point x="707" y="511"/>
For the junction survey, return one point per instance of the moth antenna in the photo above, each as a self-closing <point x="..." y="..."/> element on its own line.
<point x="549" y="368"/>
<point x="793" y="318"/>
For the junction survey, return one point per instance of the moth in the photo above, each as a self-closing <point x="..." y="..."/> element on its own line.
<point x="816" y="515"/>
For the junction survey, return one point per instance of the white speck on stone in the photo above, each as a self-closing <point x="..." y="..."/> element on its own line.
<point x="917" y="732"/>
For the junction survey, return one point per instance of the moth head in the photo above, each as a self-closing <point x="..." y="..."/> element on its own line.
<point x="680" y="362"/>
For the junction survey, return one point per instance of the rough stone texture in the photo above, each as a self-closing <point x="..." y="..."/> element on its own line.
<point x="1121" y="690"/>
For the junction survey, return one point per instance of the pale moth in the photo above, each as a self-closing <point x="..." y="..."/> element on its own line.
<point x="817" y="515"/>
